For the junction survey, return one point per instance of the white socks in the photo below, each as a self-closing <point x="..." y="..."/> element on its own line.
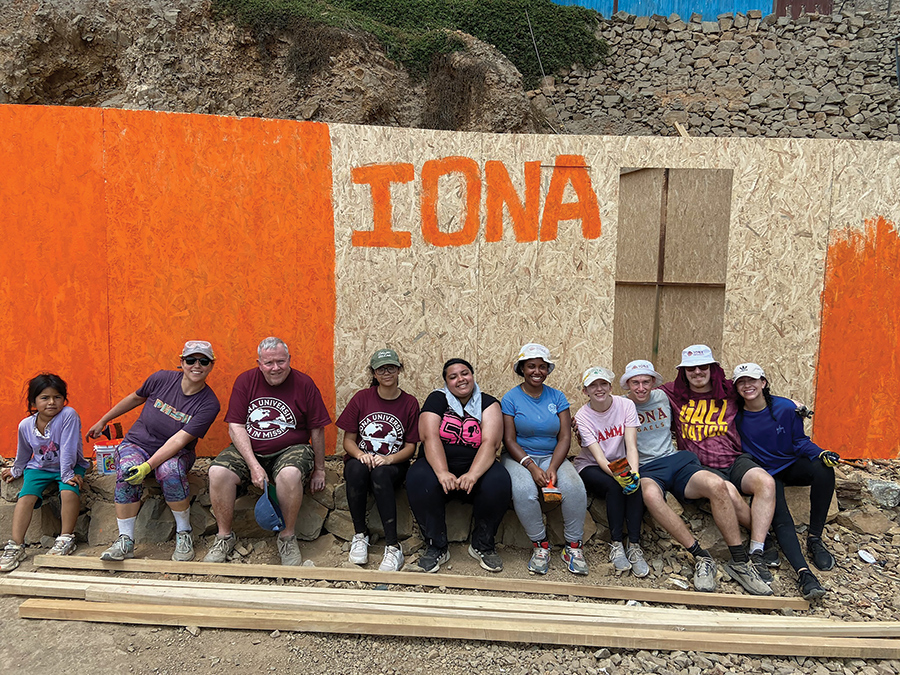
<point x="182" y="520"/>
<point x="126" y="526"/>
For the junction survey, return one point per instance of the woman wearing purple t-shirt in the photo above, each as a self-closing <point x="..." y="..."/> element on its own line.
<point x="381" y="429"/>
<point x="181" y="409"/>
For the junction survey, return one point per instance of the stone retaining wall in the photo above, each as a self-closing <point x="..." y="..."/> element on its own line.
<point x="743" y="75"/>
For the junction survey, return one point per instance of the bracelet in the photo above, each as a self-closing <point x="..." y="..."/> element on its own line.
<point x="525" y="459"/>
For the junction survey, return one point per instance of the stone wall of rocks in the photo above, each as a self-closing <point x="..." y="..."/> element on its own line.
<point x="868" y="504"/>
<point x="743" y="75"/>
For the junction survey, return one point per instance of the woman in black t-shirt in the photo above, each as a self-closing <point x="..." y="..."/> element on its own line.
<point x="461" y="430"/>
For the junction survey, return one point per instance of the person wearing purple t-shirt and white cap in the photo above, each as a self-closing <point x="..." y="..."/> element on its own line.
<point x="162" y="441"/>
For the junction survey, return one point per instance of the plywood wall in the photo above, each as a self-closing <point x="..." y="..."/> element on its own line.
<point x="345" y="239"/>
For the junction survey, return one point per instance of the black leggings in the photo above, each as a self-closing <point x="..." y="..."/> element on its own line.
<point x="383" y="480"/>
<point x="820" y="478"/>
<point x="620" y="508"/>
<point x="490" y="500"/>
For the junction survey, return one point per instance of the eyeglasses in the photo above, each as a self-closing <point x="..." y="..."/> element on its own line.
<point x="191" y="360"/>
<point x="386" y="370"/>
<point x="702" y="368"/>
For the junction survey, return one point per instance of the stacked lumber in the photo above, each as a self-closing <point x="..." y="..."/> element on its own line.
<point x="255" y="606"/>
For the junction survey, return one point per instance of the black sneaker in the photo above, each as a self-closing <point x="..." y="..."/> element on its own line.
<point x="810" y="588"/>
<point x="432" y="559"/>
<point x="489" y="559"/>
<point x="758" y="560"/>
<point x="770" y="552"/>
<point x="819" y="555"/>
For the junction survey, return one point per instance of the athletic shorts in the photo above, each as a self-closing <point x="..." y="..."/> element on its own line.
<point x="673" y="472"/>
<point x="736" y="472"/>
<point x="298" y="456"/>
<point x="35" y="481"/>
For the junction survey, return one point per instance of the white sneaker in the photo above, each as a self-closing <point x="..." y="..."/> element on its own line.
<point x="64" y="545"/>
<point x="393" y="559"/>
<point x="13" y="554"/>
<point x="359" y="549"/>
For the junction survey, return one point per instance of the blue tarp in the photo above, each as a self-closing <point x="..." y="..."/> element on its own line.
<point x="710" y="9"/>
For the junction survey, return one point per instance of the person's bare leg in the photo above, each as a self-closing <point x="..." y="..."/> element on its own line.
<point x="223" y="485"/>
<point x="22" y="517"/>
<point x="70" y="505"/>
<point x="715" y="489"/>
<point x="761" y="485"/>
<point x="289" y="487"/>
<point x="655" y="503"/>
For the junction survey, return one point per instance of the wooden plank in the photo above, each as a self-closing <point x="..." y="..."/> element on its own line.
<point x="703" y="323"/>
<point x="585" y="590"/>
<point x="520" y="630"/>
<point x="633" y="326"/>
<point x="57" y="585"/>
<point x="637" y="250"/>
<point x="575" y="620"/>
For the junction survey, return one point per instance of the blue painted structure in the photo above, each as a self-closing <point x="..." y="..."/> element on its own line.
<point x="710" y="9"/>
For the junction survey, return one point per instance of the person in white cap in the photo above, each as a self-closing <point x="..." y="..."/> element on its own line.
<point x="182" y="408"/>
<point x="664" y="468"/>
<point x="607" y="426"/>
<point x="704" y="403"/>
<point x="537" y="434"/>
<point x="772" y="431"/>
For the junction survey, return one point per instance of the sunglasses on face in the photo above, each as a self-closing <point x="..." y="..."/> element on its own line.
<point x="702" y="368"/>
<point x="191" y="360"/>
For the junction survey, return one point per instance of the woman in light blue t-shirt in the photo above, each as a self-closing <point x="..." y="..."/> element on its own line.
<point x="537" y="431"/>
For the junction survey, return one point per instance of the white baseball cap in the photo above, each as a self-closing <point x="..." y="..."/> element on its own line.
<point x="533" y="350"/>
<point x="753" y="370"/>
<point x="696" y="355"/>
<point x="597" y="373"/>
<point x="639" y="367"/>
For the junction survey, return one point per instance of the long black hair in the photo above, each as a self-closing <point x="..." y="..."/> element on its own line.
<point x="739" y="418"/>
<point x="43" y="381"/>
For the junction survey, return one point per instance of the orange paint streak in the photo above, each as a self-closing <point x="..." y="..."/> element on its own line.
<point x="432" y="170"/>
<point x="218" y="228"/>
<point x="569" y="171"/>
<point x="859" y="353"/>
<point x="53" y="302"/>
<point x="500" y="193"/>
<point x="379" y="178"/>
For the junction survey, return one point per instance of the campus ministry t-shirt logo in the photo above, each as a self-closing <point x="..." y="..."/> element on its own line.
<point x="381" y="433"/>
<point x="269" y="418"/>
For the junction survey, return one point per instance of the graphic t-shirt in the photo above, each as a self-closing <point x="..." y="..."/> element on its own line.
<point x="168" y="410"/>
<point x="382" y="427"/>
<point x="705" y="426"/>
<point x="58" y="449"/>
<point x="276" y="417"/>
<point x="461" y="436"/>
<point x="536" y="419"/>
<point x="654" y="435"/>
<point x="605" y="428"/>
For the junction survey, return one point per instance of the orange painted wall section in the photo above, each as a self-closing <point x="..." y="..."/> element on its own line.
<point x="859" y="354"/>
<point x="53" y="259"/>
<point x="207" y="228"/>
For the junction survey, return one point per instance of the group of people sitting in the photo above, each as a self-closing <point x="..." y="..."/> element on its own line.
<point x="701" y="436"/>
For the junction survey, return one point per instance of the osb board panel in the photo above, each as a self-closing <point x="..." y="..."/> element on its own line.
<point x="860" y="333"/>
<point x="53" y="304"/>
<point x="688" y="316"/>
<point x="633" y="334"/>
<point x="640" y="214"/>
<point x="223" y="232"/>
<point x="698" y="209"/>
<point x="418" y="299"/>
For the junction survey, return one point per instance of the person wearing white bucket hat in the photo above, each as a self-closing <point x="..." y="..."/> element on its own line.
<point x="704" y="407"/>
<point x="664" y="468"/>
<point x="607" y="426"/>
<point x="537" y="433"/>
<point x="772" y="431"/>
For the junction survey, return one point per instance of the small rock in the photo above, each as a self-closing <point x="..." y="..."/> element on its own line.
<point x="275" y="634"/>
<point x="308" y="563"/>
<point x="193" y="630"/>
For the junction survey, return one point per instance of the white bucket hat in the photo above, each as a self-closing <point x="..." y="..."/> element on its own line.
<point x="753" y="370"/>
<point x="597" y="373"/>
<point x="639" y="367"/>
<point x="532" y="350"/>
<point x="696" y="355"/>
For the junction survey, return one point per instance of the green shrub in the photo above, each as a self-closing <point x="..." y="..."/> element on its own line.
<point x="413" y="32"/>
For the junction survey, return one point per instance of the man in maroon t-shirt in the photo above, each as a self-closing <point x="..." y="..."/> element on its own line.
<point x="276" y="419"/>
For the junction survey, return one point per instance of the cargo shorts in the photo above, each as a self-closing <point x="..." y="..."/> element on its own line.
<point x="299" y="456"/>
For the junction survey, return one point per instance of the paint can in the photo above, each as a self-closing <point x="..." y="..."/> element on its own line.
<point x="106" y="458"/>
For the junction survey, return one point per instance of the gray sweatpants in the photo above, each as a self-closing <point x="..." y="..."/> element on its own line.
<point x="527" y="503"/>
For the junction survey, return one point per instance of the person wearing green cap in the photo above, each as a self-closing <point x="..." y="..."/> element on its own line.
<point x="381" y="429"/>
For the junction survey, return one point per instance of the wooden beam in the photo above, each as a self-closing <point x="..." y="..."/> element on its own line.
<point x="585" y="590"/>
<point x="520" y="630"/>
